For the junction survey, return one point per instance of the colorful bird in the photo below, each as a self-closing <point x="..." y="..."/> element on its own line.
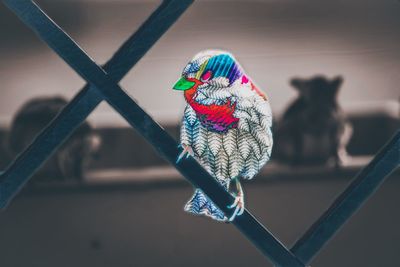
<point x="226" y="126"/>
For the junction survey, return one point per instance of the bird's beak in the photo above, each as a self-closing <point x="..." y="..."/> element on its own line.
<point x="185" y="84"/>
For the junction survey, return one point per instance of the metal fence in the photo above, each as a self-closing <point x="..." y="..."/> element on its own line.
<point x="102" y="85"/>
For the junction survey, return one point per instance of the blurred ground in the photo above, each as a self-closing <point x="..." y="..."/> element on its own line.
<point x="134" y="224"/>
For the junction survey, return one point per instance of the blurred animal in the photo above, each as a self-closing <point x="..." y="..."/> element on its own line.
<point x="226" y="126"/>
<point x="313" y="129"/>
<point x="70" y="159"/>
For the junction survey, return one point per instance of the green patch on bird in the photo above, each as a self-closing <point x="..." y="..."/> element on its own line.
<point x="183" y="84"/>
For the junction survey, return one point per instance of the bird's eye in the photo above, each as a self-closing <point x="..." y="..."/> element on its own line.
<point x="206" y="76"/>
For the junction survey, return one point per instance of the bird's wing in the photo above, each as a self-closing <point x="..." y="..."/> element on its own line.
<point x="254" y="137"/>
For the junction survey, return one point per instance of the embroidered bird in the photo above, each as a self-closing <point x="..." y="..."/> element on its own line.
<point x="226" y="126"/>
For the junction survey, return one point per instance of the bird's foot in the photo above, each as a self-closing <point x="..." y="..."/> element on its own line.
<point x="238" y="204"/>
<point x="186" y="152"/>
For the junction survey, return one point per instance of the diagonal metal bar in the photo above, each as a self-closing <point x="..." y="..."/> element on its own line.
<point x="347" y="203"/>
<point x="19" y="172"/>
<point x="36" y="19"/>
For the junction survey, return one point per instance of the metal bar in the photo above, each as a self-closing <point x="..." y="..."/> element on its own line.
<point x="31" y="15"/>
<point x="21" y="170"/>
<point x="346" y="204"/>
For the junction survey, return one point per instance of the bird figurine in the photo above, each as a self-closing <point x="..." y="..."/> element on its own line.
<point x="226" y="127"/>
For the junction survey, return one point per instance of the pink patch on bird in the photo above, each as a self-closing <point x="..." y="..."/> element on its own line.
<point x="245" y="79"/>
<point x="206" y="76"/>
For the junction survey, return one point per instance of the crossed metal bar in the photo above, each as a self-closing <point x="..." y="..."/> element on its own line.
<point x="103" y="85"/>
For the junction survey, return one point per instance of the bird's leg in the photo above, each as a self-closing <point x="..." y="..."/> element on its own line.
<point x="238" y="204"/>
<point x="187" y="151"/>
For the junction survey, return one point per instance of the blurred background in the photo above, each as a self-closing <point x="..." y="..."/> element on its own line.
<point x="107" y="199"/>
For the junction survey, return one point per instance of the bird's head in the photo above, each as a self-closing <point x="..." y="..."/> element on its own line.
<point x="209" y="69"/>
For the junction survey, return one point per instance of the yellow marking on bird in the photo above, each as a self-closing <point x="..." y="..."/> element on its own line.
<point x="202" y="68"/>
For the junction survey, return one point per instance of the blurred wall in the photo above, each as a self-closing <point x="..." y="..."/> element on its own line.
<point x="273" y="40"/>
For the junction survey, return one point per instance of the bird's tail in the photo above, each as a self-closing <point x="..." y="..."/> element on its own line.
<point x="200" y="204"/>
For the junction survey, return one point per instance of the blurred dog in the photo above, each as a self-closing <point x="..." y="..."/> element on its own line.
<point x="70" y="159"/>
<point x="313" y="129"/>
